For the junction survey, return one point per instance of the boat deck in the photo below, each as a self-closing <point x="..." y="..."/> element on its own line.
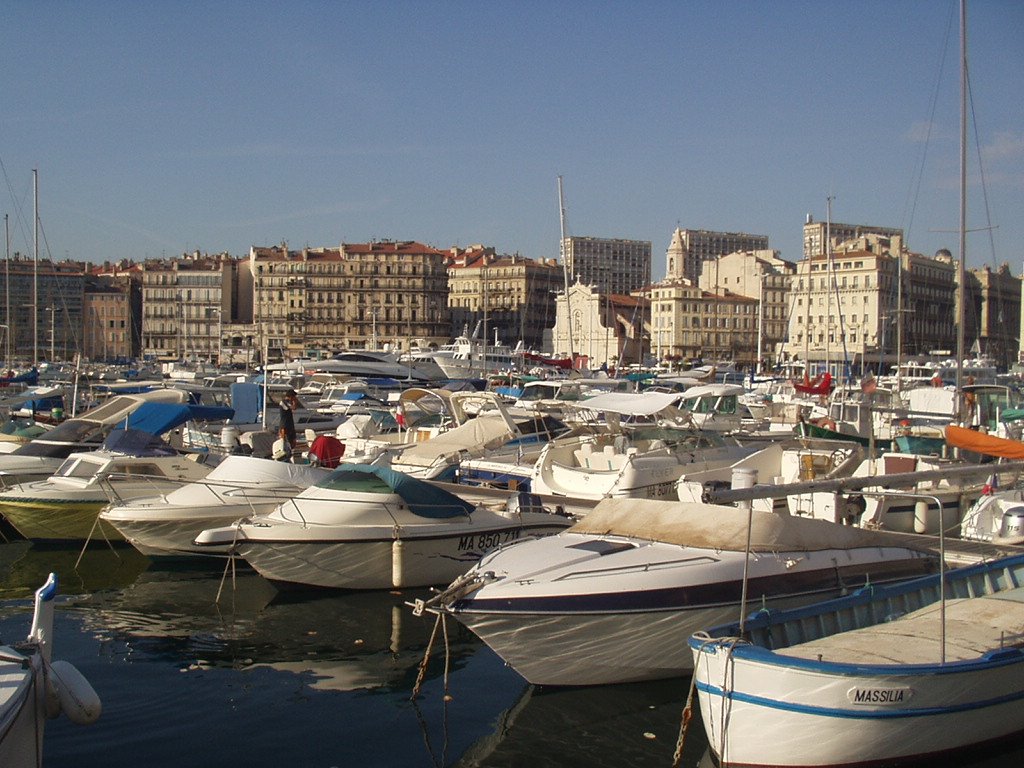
<point x="974" y="626"/>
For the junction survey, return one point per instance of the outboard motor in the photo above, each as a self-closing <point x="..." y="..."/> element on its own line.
<point x="1011" y="526"/>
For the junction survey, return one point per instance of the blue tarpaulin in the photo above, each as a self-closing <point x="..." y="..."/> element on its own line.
<point x="158" y="418"/>
<point x="246" y="400"/>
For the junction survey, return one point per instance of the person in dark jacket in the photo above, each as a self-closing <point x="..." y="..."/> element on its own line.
<point x="286" y="420"/>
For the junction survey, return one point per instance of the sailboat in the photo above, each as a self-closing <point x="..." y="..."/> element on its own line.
<point x="892" y="674"/>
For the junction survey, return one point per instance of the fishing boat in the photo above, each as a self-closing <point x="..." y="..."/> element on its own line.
<point x="166" y="525"/>
<point x="605" y="601"/>
<point x="902" y="672"/>
<point x="367" y="527"/>
<point x="34" y="689"/>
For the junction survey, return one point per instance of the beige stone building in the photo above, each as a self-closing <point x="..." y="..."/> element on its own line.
<point x="993" y="314"/>
<point x="609" y="330"/>
<point x="508" y="296"/>
<point x="817" y="232"/>
<point x="871" y="304"/>
<point x="185" y="304"/>
<point x="688" y="323"/>
<point x="112" y="312"/>
<point x="760" y="275"/>
<point x="359" y="295"/>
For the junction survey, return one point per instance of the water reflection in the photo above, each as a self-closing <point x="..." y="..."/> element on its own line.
<point x="24" y="566"/>
<point x="617" y="725"/>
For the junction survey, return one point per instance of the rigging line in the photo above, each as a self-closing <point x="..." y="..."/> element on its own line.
<point x="914" y="194"/>
<point x="981" y="171"/>
<point x="19" y="205"/>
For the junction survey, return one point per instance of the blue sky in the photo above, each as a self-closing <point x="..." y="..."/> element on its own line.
<point x="163" y="127"/>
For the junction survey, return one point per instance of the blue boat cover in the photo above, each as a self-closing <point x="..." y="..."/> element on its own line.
<point x="423" y="499"/>
<point x="246" y="400"/>
<point x="158" y="418"/>
<point x="132" y="442"/>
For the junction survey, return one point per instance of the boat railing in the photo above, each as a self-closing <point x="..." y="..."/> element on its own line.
<point x="872" y="605"/>
<point x="225" y="492"/>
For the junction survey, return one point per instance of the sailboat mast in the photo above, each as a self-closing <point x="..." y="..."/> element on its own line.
<point x="830" y="275"/>
<point x="35" y="268"/>
<point x="565" y="271"/>
<point x="7" y="290"/>
<point x="962" y="269"/>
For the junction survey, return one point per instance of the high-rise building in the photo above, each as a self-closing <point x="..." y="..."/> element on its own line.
<point x="816" y="232"/>
<point x="690" y="248"/>
<point x="610" y="266"/>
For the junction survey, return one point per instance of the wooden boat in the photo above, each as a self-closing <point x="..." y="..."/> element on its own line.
<point x="890" y="674"/>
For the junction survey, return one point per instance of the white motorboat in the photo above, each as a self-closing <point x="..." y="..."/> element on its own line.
<point x="641" y="454"/>
<point x="913" y="671"/>
<point x="472" y="358"/>
<point x="65" y="506"/>
<point x="362" y="363"/>
<point x="34" y="689"/>
<point x="240" y="486"/>
<point x="483" y="427"/>
<point x="607" y="600"/>
<point x="43" y="455"/>
<point x="366" y="527"/>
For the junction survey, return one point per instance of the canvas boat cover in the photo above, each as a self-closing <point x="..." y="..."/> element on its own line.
<point x="475" y="437"/>
<point x="422" y="498"/>
<point x="249" y="470"/>
<point x="979" y="442"/>
<point x="631" y="404"/>
<point x="711" y="526"/>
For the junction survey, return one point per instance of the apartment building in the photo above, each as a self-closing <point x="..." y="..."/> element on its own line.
<point x="690" y="248"/>
<point x="359" y="295"/>
<point x="41" y="307"/>
<point x="993" y="315"/>
<point x="612" y="266"/>
<point x="761" y="275"/>
<point x="510" y="297"/>
<point x="185" y="304"/>
<point x="870" y="303"/>
<point x="688" y="323"/>
<point x="112" y="312"/>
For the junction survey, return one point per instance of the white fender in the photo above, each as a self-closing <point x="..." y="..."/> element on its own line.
<point x="397" y="564"/>
<point x="78" y="699"/>
<point x="48" y="691"/>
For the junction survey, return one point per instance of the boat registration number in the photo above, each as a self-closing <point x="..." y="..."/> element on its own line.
<point x="481" y="541"/>
<point x="882" y="696"/>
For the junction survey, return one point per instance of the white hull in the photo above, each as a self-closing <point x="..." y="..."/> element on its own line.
<point x="887" y="676"/>
<point x="22" y="713"/>
<point x="171" y="537"/>
<point x="813" y="722"/>
<point x="382" y="563"/>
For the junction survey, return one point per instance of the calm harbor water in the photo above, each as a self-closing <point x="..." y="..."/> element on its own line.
<point x="320" y="679"/>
